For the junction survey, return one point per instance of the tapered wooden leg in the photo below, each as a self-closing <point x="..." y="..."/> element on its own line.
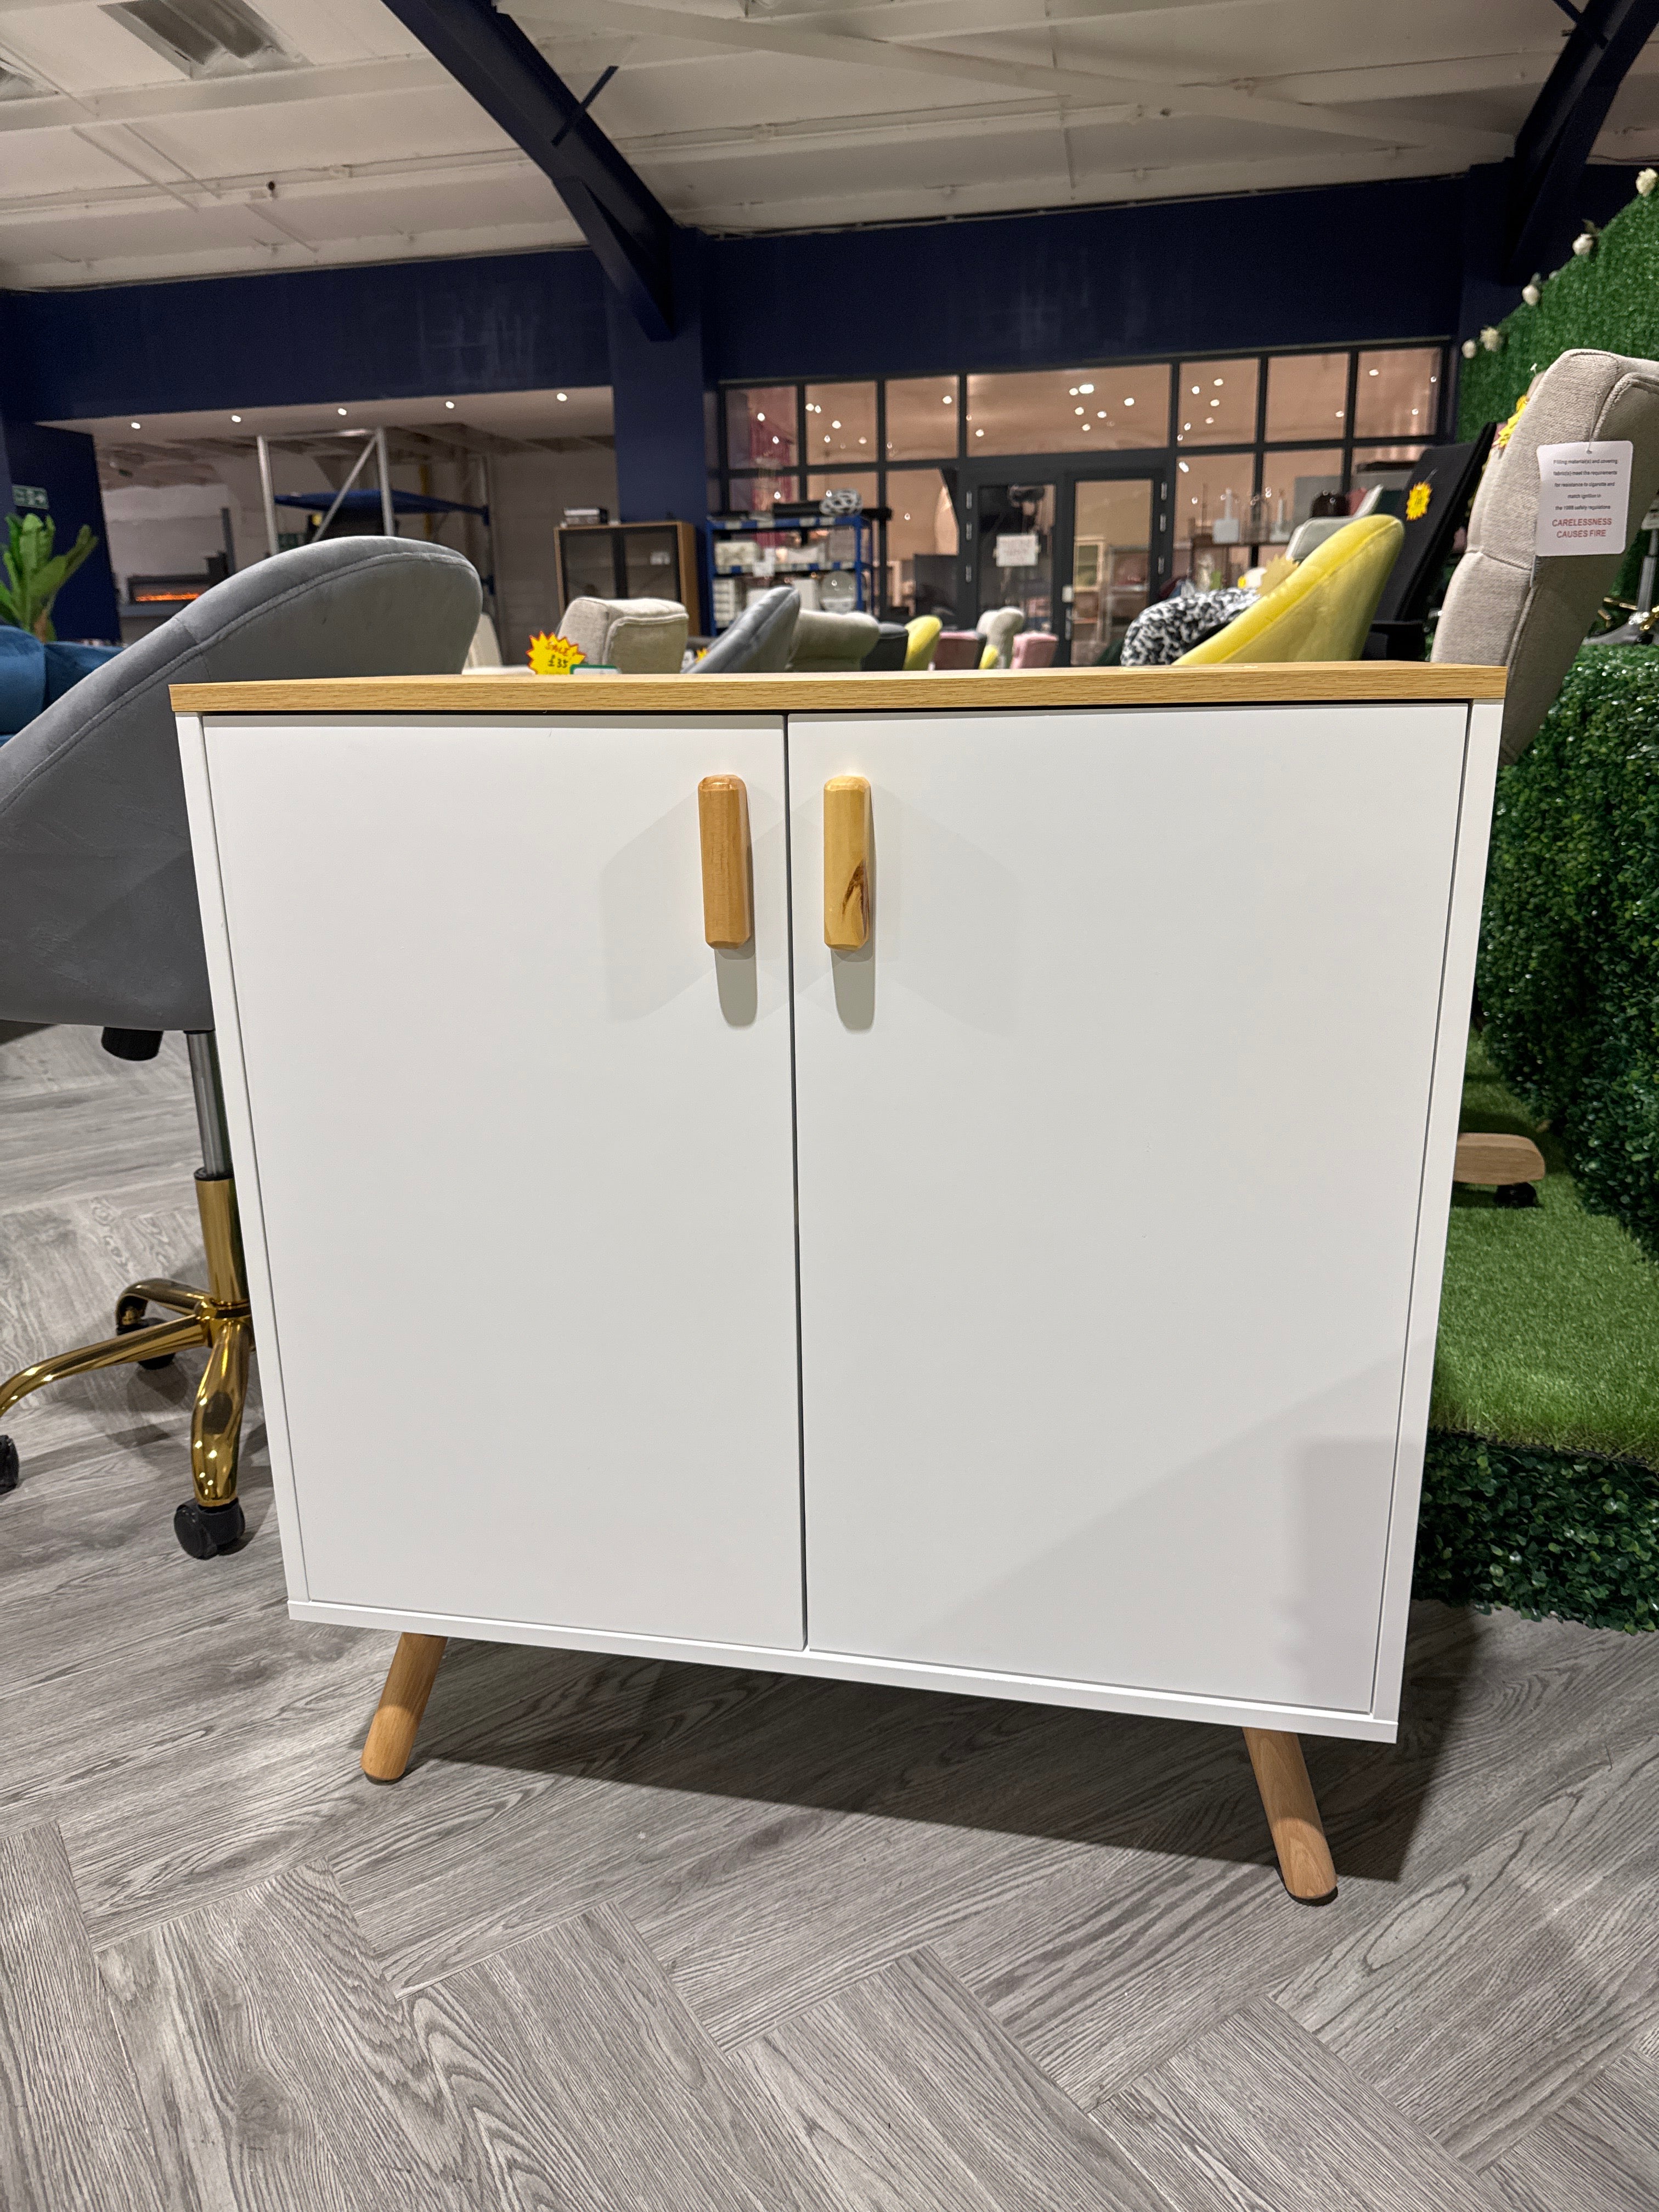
<point x="1287" y="1798"/>
<point x="409" y="1682"/>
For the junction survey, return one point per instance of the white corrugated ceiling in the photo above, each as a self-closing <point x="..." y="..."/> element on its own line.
<point x="340" y="140"/>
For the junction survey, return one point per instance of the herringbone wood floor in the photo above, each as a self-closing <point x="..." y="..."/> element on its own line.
<point x="637" y="1936"/>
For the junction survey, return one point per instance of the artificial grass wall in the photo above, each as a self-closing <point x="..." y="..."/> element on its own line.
<point x="1569" y="963"/>
<point x="1609" y="300"/>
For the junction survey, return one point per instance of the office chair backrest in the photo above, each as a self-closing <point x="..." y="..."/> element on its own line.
<point x="98" y="915"/>
<point x="1504" y="607"/>
<point x="1323" y="610"/>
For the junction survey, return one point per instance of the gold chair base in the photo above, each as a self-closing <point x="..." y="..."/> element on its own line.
<point x="217" y="1317"/>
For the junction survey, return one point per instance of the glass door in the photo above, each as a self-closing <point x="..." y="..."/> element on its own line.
<point x="1014" y="547"/>
<point x="1115" y="564"/>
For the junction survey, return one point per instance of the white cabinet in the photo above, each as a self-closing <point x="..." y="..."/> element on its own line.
<point x="522" y="1160"/>
<point x="1111" y="1151"/>
<point x="1094" y="1366"/>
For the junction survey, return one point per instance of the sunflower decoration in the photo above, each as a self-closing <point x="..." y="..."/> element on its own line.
<point x="1417" y="502"/>
<point x="1506" y="430"/>
<point x="551" y="655"/>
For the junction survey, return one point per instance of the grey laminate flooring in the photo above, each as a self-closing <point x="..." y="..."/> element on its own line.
<point x="636" y="1937"/>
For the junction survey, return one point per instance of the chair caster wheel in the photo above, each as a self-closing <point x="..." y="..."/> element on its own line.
<point x="8" y="1470"/>
<point x="1516" y="1194"/>
<point x="124" y="1321"/>
<point x="204" y="1529"/>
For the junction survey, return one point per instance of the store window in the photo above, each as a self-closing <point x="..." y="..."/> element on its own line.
<point x="866" y="485"/>
<point x="1307" y="395"/>
<point x="841" y="424"/>
<point x="1214" y="517"/>
<point x="922" y="418"/>
<point x="1215" y="402"/>
<point x="1069" y="410"/>
<point x="760" y="428"/>
<point x="753" y="494"/>
<point x="922" y="545"/>
<point x="1397" y="394"/>
<point x="1291" y="482"/>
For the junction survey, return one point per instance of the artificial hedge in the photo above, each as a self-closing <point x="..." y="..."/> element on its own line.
<point x="1569" y="963"/>
<point x="1542" y="1532"/>
<point x="1610" y="299"/>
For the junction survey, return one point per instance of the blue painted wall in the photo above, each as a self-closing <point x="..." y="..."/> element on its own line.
<point x="1335" y="265"/>
<point x="1394" y="260"/>
<point x="399" y="330"/>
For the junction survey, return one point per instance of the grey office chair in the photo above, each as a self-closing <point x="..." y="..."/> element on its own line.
<point x="98" y="921"/>
<point x="760" y="639"/>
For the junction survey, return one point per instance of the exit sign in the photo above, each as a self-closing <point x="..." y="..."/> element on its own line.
<point x="30" y="495"/>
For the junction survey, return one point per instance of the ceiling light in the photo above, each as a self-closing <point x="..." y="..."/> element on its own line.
<point x="1085" y="387"/>
<point x="1194" y="391"/>
<point x="1088" y="426"/>
<point x="1183" y="466"/>
<point x="562" y="395"/>
<point x="1072" y="393"/>
<point x="1339" y="414"/>
<point x="1373" y="372"/>
<point x="1129" y="402"/>
<point x="1413" y="411"/>
<point x="339" y="410"/>
<point x="1218" y="382"/>
<point x="834" y="425"/>
<point x="949" y="398"/>
<point x="137" y="426"/>
<point x="777" y="440"/>
<point x="759" y="418"/>
<point x="826" y="438"/>
<point x="235" y="418"/>
<point x="861" y="440"/>
<point x="1079" y="410"/>
<point x="1101" y="412"/>
<point x="979" y="434"/>
<point x="449" y="403"/>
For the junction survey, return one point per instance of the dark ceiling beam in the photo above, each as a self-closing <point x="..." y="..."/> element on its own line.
<point x="1556" y="138"/>
<point x="630" y="231"/>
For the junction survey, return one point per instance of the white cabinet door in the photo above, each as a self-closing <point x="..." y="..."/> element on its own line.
<point x="523" y="1154"/>
<point x="1110" y="1150"/>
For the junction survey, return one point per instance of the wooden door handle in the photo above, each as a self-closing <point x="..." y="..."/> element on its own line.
<point x="846" y="842"/>
<point x="723" y="820"/>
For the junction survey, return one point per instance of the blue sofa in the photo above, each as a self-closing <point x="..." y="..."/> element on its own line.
<point x="32" y="675"/>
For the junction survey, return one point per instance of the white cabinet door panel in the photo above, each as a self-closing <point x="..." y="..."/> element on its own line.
<point x="1110" y="1150"/>
<point x="524" y="1151"/>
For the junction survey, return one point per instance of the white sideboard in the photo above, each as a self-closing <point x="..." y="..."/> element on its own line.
<point x="1039" y="1301"/>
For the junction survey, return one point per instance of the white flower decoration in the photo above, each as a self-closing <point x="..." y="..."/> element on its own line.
<point x="1531" y="295"/>
<point x="1492" y="338"/>
<point x="1646" y="181"/>
<point x="1583" y="246"/>
<point x="1470" y="349"/>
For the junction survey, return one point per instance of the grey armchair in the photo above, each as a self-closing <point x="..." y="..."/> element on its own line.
<point x="759" y="641"/>
<point x="98" y="921"/>
<point x="1511" y="608"/>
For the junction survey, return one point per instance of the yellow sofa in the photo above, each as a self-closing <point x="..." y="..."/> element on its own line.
<point x="1320" y="612"/>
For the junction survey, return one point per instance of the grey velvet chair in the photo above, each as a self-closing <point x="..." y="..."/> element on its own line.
<point x="99" y="922"/>
<point x="759" y="642"/>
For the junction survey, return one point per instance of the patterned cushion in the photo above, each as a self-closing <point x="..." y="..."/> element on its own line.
<point x="1162" y="633"/>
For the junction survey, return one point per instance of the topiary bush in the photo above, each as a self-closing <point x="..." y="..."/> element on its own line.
<point x="1569" y="963"/>
<point x="1543" y="1532"/>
